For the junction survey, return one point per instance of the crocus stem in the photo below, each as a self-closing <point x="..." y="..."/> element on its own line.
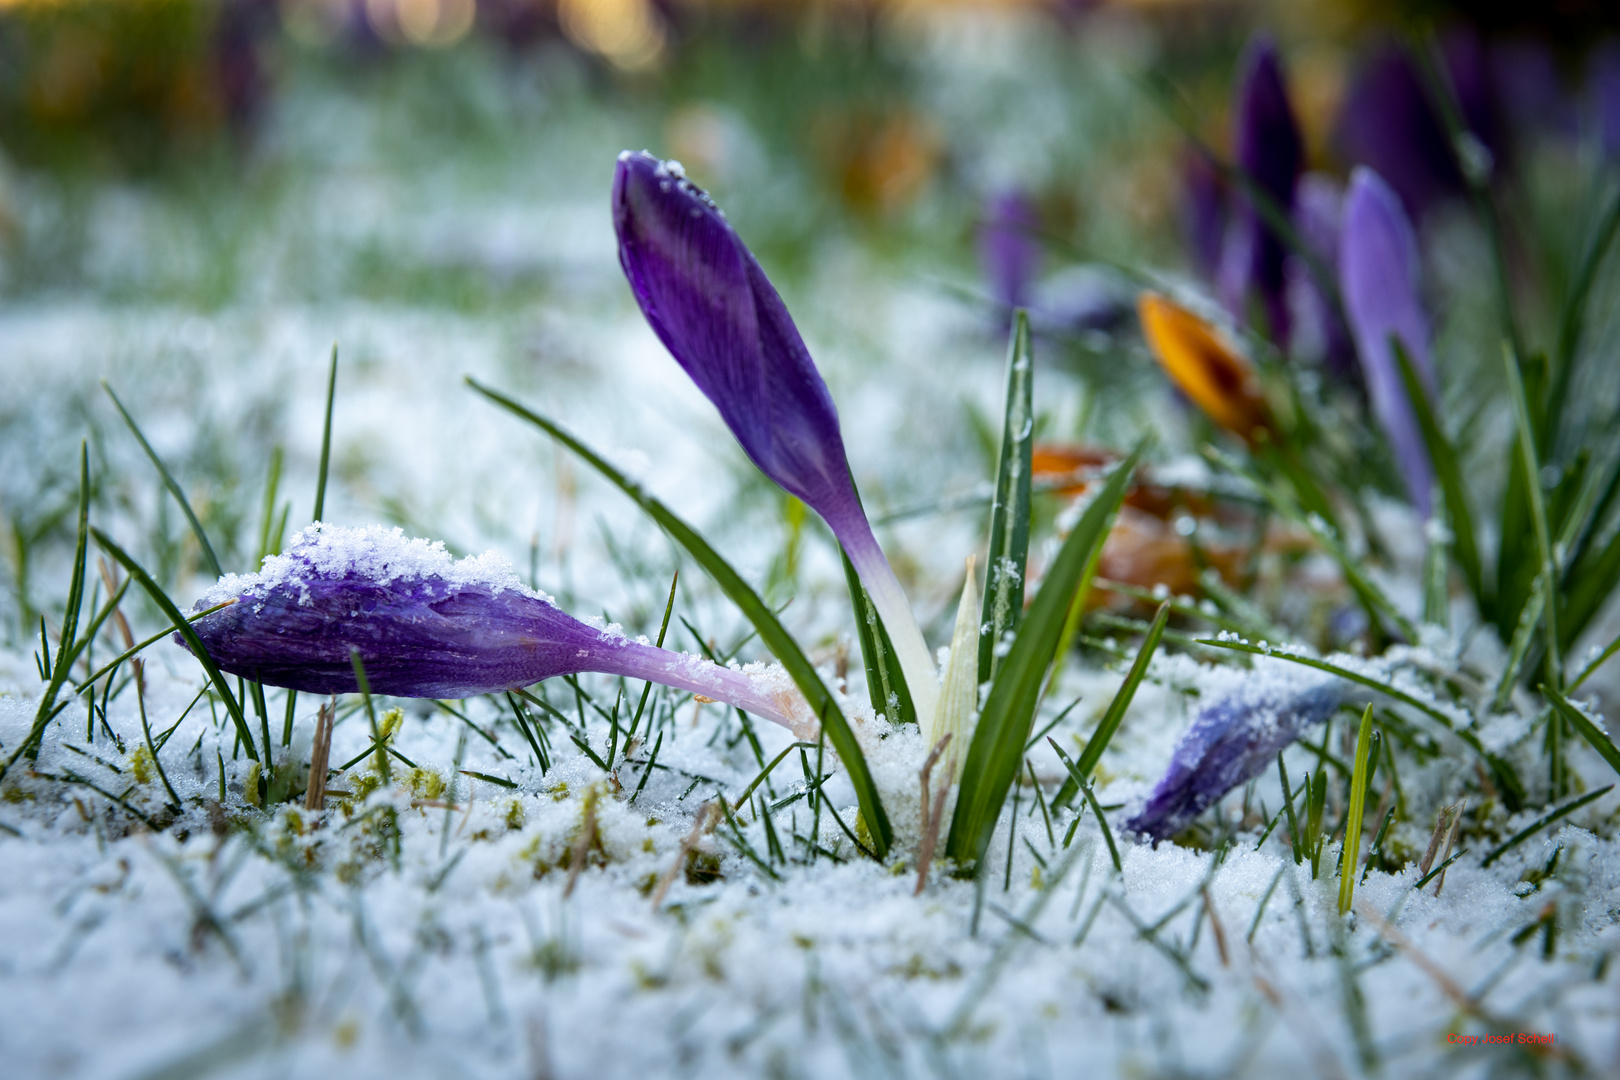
<point x="883" y="587"/>
<point x="761" y="695"/>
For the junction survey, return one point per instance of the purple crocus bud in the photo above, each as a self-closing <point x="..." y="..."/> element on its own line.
<point x="1269" y="149"/>
<point x="1231" y="741"/>
<point x="713" y="308"/>
<point x="1378" y="277"/>
<point x="1009" y="252"/>
<point x="429" y="626"/>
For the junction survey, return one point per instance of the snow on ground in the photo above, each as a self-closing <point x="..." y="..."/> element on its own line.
<point x="447" y="925"/>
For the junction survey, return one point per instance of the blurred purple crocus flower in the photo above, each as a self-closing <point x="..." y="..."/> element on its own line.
<point x="1009" y="252"/>
<point x="1318" y="215"/>
<point x="1603" y="87"/>
<point x="1231" y="741"/>
<point x="713" y="308"/>
<point x="428" y="626"/>
<point x="1268" y="147"/>
<point x="1390" y="123"/>
<point x="1378" y="277"/>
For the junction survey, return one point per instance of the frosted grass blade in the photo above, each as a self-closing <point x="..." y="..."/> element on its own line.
<point x="996" y="752"/>
<point x="1542" y="822"/>
<point x="1008" y="560"/>
<point x="1584" y="726"/>
<point x="168" y="482"/>
<point x="771" y="631"/>
<point x="1572" y="318"/>
<point x="183" y="626"/>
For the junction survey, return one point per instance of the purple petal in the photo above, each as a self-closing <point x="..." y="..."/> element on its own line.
<point x="1378" y="276"/>
<point x="1603" y="86"/>
<point x="1230" y="742"/>
<point x="1318" y="215"/>
<point x="427" y="626"/>
<point x="1203" y="213"/>
<point x="1269" y="149"/>
<point x="713" y="308"/>
<point x="1008" y="249"/>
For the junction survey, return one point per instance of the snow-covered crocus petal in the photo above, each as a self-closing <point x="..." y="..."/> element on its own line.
<point x="713" y="308"/>
<point x="1230" y="742"/>
<point x="1270" y="150"/>
<point x="1378" y="277"/>
<point x="1009" y="252"/>
<point x="428" y="626"/>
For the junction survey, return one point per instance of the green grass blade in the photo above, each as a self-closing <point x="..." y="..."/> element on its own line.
<point x="1373" y="599"/>
<point x="1587" y="671"/>
<point x="996" y="752"/>
<point x="1358" y="806"/>
<point x="1078" y="780"/>
<point x="1573" y="317"/>
<point x="326" y="437"/>
<point x="1092" y="754"/>
<point x="1008" y="560"/>
<point x="771" y="630"/>
<point x="1443" y="456"/>
<point x="183" y="625"/>
<point x="1584" y="726"/>
<point x="1542" y="822"/>
<point x="1529" y="459"/>
<point x="885" y="681"/>
<point x="271" y="486"/>
<point x="68" y="647"/>
<point x="168" y="482"/>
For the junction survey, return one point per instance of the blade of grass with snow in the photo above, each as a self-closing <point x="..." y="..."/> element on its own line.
<point x="183" y="626"/>
<point x="1584" y="726"/>
<point x="996" y="752"/>
<point x="771" y="630"/>
<point x="1529" y="459"/>
<point x="885" y="682"/>
<point x="1010" y="513"/>
<point x="1358" y="805"/>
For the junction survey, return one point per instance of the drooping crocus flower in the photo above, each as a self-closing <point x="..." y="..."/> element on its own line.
<point x="713" y="308"/>
<point x="1378" y="277"/>
<point x="1208" y="370"/>
<point x="1269" y="149"/>
<point x="428" y="626"/>
<point x="1009" y="252"/>
<point x="1232" y="740"/>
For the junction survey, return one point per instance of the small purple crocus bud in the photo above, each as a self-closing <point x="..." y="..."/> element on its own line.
<point x="713" y="308"/>
<point x="1268" y="147"/>
<point x="428" y="626"/>
<point x="1009" y="252"/>
<point x="1378" y="277"/>
<point x="1231" y="741"/>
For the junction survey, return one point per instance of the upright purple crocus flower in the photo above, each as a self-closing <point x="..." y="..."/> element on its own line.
<point x="428" y="626"/>
<point x="1378" y="277"/>
<point x="1009" y="252"/>
<point x="1269" y="149"/>
<point x="1231" y="741"/>
<point x="1318" y="216"/>
<point x="1603" y="86"/>
<point x="713" y="308"/>
<point x="1203" y="213"/>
